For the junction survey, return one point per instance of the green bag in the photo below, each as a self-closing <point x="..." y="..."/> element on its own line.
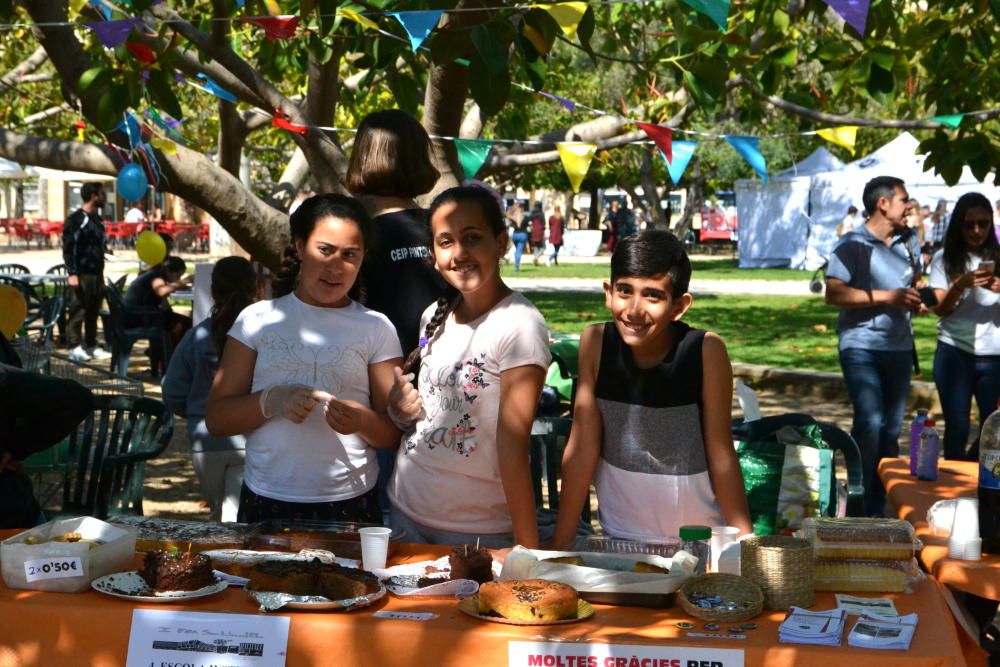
<point x="788" y="477"/>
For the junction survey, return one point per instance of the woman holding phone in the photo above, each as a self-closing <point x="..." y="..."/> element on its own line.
<point x="967" y="362"/>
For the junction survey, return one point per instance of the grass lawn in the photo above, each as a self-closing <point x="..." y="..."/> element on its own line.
<point x="704" y="269"/>
<point x="786" y="331"/>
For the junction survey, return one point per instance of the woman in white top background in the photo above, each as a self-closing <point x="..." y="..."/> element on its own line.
<point x="965" y="282"/>
<point x="306" y="376"/>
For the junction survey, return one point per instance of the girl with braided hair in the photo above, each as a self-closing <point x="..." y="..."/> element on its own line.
<point x="306" y="376"/>
<point x="462" y="471"/>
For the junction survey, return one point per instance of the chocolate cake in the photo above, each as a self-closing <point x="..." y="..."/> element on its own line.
<point x="471" y="563"/>
<point x="176" y="571"/>
<point x="331" y="581"/>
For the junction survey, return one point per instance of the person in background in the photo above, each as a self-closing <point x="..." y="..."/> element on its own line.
<point x="135" y="214"/>
<point x="871" y="278"/>
<point x="519" y="234"/>
<point x="36" y="412"/>
<point x="939" y="219"/>
<point x="652" y="417"/>
<point x="150" y="291"/>
<point x="462" y="471"/>
<point x="218" y="461"/>
<point x="307" y="375"/>
<point x="967" y="362"/>
<point x="537" y="226"/>
<point x="848" y="222"/>
<point x="613" y="223"/>
<point x="156" y="215"/>
<point x="916" y="224"/>
<point x="391" y="165"/>
<point x="557" y="226"/>
<point x="83" y="248"/>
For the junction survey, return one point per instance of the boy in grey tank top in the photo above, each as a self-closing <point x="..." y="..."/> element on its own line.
<point x="652" y="419"/>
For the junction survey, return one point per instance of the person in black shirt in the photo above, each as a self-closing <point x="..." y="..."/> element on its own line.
<point x="83" y="245"/>
<point x="391" y="165"/>
<point x="150" y="291"/>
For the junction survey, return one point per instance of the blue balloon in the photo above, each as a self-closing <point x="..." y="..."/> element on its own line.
<point x="132" y="182"/>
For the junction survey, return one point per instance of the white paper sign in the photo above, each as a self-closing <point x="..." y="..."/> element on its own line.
<point x="862" y="606"/>
<point x="206" y="640"/>
<point x="53" y="568"/>
<point x="567" y="654"/>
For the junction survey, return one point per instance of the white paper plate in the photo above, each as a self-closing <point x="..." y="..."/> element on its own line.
<point x="131" y="586"/>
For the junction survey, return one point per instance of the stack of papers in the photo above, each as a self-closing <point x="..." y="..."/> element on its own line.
<point x="825" y="628"/>
<point x="881" y="632"/>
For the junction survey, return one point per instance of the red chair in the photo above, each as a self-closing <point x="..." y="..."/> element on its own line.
<point x="23" y="230"/>
<point x="203" y="237"/>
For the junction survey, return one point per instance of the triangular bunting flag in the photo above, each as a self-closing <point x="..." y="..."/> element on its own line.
<point x="129" y="126"/>
<point x="418" y="25"/>
<point x="363" y="21"/>
<point x="112" y="33"/>
<point x="682" y="153"/>
<point x="102" y="8"/>
<point x="717" y="10"/>
<point x="276" y="27"/>
<point x="75" y="6"/>
<point x="567" y="14"/>
<point x="80" y="127"/>
<point x="279" y="120"/>
<point x="164" y="145"/>
<point x="845" y="135"/>
<point x="952" y="120"/>
<point x="576" y="157"/>
<point x="568" y="105"/>
<point x="472" y="153"/>
<point x="855" y="12"/>
<point x="661" y="136"/>
<point x="749" y="149"/>
<point x="210" y="86"/>
<point x="142" y="53"/>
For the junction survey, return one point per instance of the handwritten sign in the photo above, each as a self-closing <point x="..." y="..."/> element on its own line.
<point x="53" y="568"/>
<point x="569" y="654"/>
<point x="197" y="638"/>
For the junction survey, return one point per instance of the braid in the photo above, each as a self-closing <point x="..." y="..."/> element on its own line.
<point x="444" y="306"/>
<point x="289" y="273"/>
<point x="224" y="314"/>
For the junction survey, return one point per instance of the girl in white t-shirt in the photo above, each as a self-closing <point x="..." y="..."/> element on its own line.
<point x="462" y="471"/>
<point x="306" y="376"/>
<point x="967" y="360"/>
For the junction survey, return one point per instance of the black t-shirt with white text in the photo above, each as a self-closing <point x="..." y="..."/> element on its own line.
<point x="399" y="274"/>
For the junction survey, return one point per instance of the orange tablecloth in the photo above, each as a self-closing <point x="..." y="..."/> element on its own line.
<point x="93" y="629"/>
<point x="912" y="498"/>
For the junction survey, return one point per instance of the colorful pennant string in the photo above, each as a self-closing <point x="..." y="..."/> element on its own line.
<point x="661" y="136"/>
<point x="855" y="12"/>
<point x="576" y="157"/>
<point x="112" y="33"/>
<point x="102" y="8"/>
<point x="472" y="153"/>
<point x="360" y="19"/>
<point x="845" y="136"/>
<point x="276" y="27"/>
<point x="567" y="14"/>
<point x="418" y="25"/>
<point x="279" y="120"/>
<point x="682" y="153"/>
<point x="142" y="53"/>
<point x="210" y="86"/>
<point x="952" y="120"/>
<point x="568" y="105"/>
<point x="749" y="150"/>
<point x="717" y="10"/>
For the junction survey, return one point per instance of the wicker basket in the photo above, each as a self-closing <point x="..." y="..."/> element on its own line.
<point x="732" y="587"/>
<point x="782" y="567"/>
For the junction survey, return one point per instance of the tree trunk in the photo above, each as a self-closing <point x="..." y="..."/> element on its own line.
<point x="651" y="194"/>
<point x="444" y="101"/>
<point x="594" y="221"/>
<point x="694" y="199"/>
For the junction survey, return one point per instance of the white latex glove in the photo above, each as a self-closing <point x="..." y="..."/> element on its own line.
<point x="291" y="401"/>
<point x="405" y="406"/>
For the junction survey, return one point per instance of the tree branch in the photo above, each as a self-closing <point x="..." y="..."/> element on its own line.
<point x="20" y="72"/>
<point x="47" y="113"/>
<point x="834" y="119"/>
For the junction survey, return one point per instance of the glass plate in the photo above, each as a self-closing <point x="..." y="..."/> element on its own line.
<point x="131" y="586"/>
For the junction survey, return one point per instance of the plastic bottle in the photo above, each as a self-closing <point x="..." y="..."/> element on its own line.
<point x="696" y="540"/>
<point x="916" y="426"/>
<point x="928" y="452"/>
<point x="989" y="483"/>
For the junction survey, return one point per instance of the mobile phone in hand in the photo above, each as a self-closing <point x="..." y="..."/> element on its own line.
<point x="988" y="266"/>
<point x="928" y="297"/>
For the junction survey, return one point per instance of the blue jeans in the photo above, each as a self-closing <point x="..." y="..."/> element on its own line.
<point x="959" y="376"/>
<point x="520" y="239"/>
<point x="421" y="534"/>
<point x="878" y="383"/>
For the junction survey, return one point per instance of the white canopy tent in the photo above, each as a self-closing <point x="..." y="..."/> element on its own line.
<point x="784" y="227"/>
<point x="774" y="216"/>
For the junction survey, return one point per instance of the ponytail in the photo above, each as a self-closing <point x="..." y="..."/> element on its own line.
<point x="284" y="283"/>
<point x="224" y="314"/>
<point x="234" y="287"/>
<point x="445" y="304"/>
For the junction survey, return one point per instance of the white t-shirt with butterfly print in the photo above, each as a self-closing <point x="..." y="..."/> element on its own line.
<point x="447" y="474"/>
<point x="328" y="349"/>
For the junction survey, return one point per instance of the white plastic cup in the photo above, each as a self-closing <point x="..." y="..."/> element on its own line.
<point x="965" y="526"/>
<point x="721" y="536"/>
<point x="374" y="547"/>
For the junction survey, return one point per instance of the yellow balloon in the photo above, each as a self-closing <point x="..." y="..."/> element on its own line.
<point x="150" y="247"/>
<point x="13" y="310"/>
